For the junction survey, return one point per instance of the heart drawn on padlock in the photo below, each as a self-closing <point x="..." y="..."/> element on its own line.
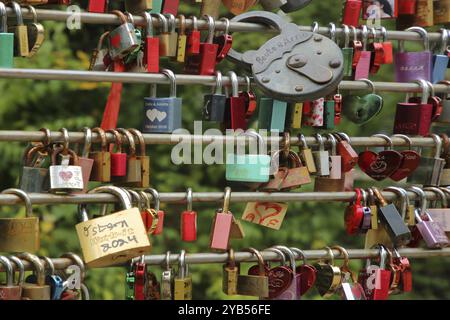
<point x="153" y="114"/>
<point x="360" y="110"/>
<point x="380" y="165"/>
<point x="66" y="175"/>
<point x="265" y="210"/>
<point x="409" y="163"/>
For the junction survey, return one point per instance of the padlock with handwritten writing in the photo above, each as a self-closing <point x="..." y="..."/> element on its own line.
<point x="113" y="238"/>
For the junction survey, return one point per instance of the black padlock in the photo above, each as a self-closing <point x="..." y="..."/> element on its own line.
<point x="214" y="103"/>
<point x="392" y="220"/>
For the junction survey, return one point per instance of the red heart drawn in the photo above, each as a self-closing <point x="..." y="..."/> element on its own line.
<point x="379" y="166"/>
<point x="410" y="162"/>
<point x="66" y="175"/>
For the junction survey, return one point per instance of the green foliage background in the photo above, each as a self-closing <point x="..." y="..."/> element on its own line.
<point x="30" y="105"/>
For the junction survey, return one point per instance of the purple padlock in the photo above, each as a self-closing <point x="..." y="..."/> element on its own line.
<point x="410" y="66"/>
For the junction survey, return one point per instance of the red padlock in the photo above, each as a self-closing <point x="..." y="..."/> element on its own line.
<point x="189" y="220"/>
<point x="140" y="273"/>
<point x="170" y="7"/>
<point x="337" y="108"/>
<point x="388" y="57"/>
<point x="224" y="41"/>
<point x="193" y="39"/>
<point x="407" y="7"/>
<point x="151" y="48"/>
<point x="376" y="280"/>
<point x="377" y="49"/>
<point x="118" y="159"/>
<point x="98" y="6"/>
<point x="250" y="100"/>
<point x="346" y="151"/>
<point x="235" y="112"/>
<point x="352" y="12"/>
<point x="354" y="214"/>
<point x="205" y="62"/>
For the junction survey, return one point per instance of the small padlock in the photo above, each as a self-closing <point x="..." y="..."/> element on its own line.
<point x="321" y="157"/>
<point x="134" y="168"/>
<point x="167" y="280"/>
<point x="193" y="38"/>
<point x="375" y="279"/>
<point x="21" y="48"/>
<point x="214" y="104"/>
<point x="151" y="47"/>
<point x="189" y="220"/>
<point x="173" y="35"/>
<point x="306" y="155"/>
<point x="362" y="68"/>
<point x="98" y="56"/>
<point x="254" y="285"/>
<point x="122" y="40"/>
<point x="440" y="59"/>
<point x="440" y="215"/>
<point x="38" y="290"/>
<point x="118" y="158"/>
<point x="65" y="177"/>
<point x="182" y="39"/>
<point x="9" y="290"/>
<point x="34" y="177"/>
<point x="6" y="40"/>
<point x="235" y="109"/>
<point x="163" y="115"/>
<point x="144" y="160"/>
<point x="221" y="226"/>
<point x="204" y="63"/>
<point x="158" y="227"/>
<point x="84" y="161"/>
<point x="410" y="66"/>
<point x="230" y="275"/>
<point x="346" y="151"/>
<point x="272" y="114"/>
<point x="329" y="276"/>
<point x="101" y="169"/>
<point x="352" y="12"/>
<point x="183" y="281"/>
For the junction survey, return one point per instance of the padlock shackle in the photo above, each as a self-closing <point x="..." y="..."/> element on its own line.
<point x="406" y="138"/>
<point x="226" y="200"/>
<point x="290" y="254"/>
<point x="78" y="261"/>
<point x="320" y="142"/>
<point x="261" y="269"/>
<point x="189" y="199"/>
<point x="279" y="253"/>
<point x="211" y="27"/>
<point x="390" y="144"/>
<point x="333" y="142"/>
<point x="301" y="254"/>
<point x="116" y="191"/>
<point x="4" y="18"/>
<point x="87" y="142"/>
<point x="148" y="24"/>
<point x="33" y="13"/>
<point x="234" y="83"/>
<point x="444" y="40"/>
<point x="155" y="197"/>
<point x="182" y="265"/>
<point x="123" y="19"/>
<point x="423" y="34"/>
<point x="18" y="12"/>
<point x="422" y="198"/>
<point x="19" y="264"/>
<point x="227" y="26"/>
<point x="102" y="134"/>
<point x="140" y="137"/>
<point x="37" y="264"/>
<point x="117" y="140"/>
<point x="438" y="145"/>
<point x="171" y="21"/>
<point x="218" y="88"/>
<point x="403" y="197"/>
<point x="48" y="265"/>
<point x="130" y="138"/>
<point x="6" y="263"/>
<point x="269" y="19"/>
<point x="346" y="36"/>
<point x="332" y="28"/>
<point x="164" y="23"/>
<point x="166" y="264"/>
<point x="439" y="193"/>
<point x="182" y="24"/>
<point x="173" y="81"/>
<point x="365" y="36"/>
<point x="24" y="197"/>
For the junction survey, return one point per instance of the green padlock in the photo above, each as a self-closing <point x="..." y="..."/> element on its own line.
<point x="249" y="167"/>
<point x="157" y="6"/>
<point x="6" y="41"/>
<point x="360" y="110"/>
<point x="328" y="114"/>
<point x="272" y="114"/>
<point x="348" y="52"/>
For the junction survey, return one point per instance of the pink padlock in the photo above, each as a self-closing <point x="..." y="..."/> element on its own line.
<point x="221" y="227"/>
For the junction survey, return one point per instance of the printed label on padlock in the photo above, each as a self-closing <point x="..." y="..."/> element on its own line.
<point x="162" y="115"/>
<point x="315" y="118"/>
<point x="66" y="177"/>
<point x="267" y="214"/>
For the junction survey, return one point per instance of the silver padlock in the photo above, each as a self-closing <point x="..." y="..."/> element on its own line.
<point x="122" y="40"/>
<point x="429" y="171"/>
<point x="321" y="158"/>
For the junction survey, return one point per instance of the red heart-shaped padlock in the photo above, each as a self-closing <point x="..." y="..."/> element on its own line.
<point x="409" y="163"/>
<point x="379" y="166"/>
<point x="307" y="278"/>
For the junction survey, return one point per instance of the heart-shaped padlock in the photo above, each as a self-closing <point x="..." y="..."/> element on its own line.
<point x="409" y="163"/>
<point x="306" y="274"/>
<point x="329" y="276"/>
<point x="36" y="33"/>
<point x="379" y="166"/>
<point x="360" y="110"/>
<point x="293" y="66"/>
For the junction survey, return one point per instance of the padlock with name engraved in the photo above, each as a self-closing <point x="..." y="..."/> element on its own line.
<point x="410" y="66"/>
<point x="163" y="115"/>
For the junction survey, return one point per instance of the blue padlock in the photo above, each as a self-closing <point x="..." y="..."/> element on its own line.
<point x="249" y="167"/>
<point x="441" y="59"/>
<point x="163" y="115"/>
<point x="55" y="282"/>
<point x="272" y="114"/>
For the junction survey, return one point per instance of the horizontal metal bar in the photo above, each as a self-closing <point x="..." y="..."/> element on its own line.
<point x="106" y="18"/>
<point x="210" y="258"/>
<point x="172" y="139"/>
<point x="180" y="197"/>
<point x="185" y="79"/>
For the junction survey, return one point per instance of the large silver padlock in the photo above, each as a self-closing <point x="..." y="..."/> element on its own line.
<point x="429" y="171"/>
<point x="294" y="5"/>
<point x="122" y="40"/>
<point x="294" y="66"/>
<point x="65" y="177"/>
